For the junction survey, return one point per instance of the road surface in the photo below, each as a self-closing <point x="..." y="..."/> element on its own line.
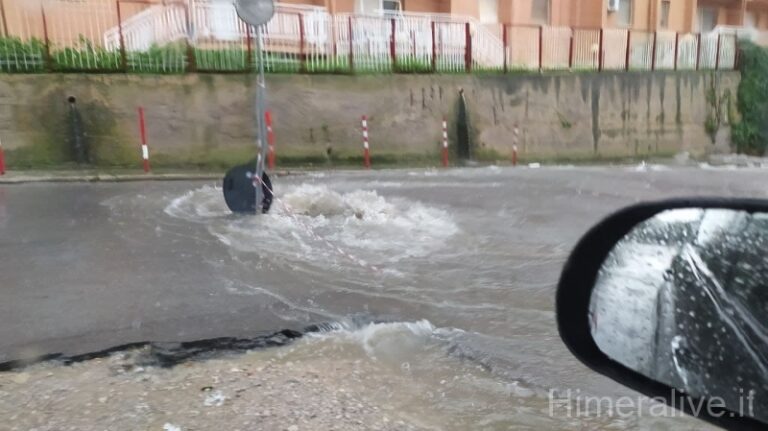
<point x="462" y="262"/>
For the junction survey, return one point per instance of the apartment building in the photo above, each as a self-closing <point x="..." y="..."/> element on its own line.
<point x="71" y="22"/>
<point x="674" y="15"/>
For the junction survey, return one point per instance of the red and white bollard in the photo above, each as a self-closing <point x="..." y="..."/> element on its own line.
<point x="270" y="140"/>
<point x="144" y="147"/>
<point x="2" y="160"/>
<point x="366" y="147"/>
<point x="514" y="155"/>
<point x="3" y="211"/>
<point x="514" y="145"/>
<point x="445" y="143"/>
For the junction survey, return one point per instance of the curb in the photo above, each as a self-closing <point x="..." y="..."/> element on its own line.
<point x="115" y="178"/>
<point x="103" y="178"/>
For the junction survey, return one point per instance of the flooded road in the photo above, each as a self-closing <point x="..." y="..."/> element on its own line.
<point x="457" y="267"/>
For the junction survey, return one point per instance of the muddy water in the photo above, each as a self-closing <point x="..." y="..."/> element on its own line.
<point x="457" y="267"/>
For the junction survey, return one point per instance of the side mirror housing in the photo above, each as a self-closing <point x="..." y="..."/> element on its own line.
<point x="671" y="299"/>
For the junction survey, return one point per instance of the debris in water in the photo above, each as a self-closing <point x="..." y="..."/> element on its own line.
<point x="214" y="399"/>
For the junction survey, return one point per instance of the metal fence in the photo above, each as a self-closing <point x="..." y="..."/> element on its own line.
<point x="200" y="35"/>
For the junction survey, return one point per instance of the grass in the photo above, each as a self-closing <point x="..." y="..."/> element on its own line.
<point x="332" y="67"/>
<point x="412" y="65"/>
<point x="169" y="59"/>
<point x="84" y="56"/>
<point x="17" y="56"/>
<point x="71" y="59"/>
<point x="277" y="63"/>
<point x="225" y="60"/>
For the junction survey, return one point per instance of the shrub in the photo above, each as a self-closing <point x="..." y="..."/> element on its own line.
<point x="750" y="136"/>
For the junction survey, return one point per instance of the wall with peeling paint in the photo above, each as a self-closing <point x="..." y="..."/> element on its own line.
<point x="207" y="119"/>
<point x="608" y="115"/>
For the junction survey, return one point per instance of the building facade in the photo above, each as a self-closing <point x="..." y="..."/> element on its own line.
<point x="651" y="15"/>
<point x="80" y="23"/>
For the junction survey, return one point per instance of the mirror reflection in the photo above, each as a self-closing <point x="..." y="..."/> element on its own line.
<point x="682" y="299"/>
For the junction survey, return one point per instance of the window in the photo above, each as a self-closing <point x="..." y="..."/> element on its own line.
<point x="624" y="15"/>
<point x="389" y="6"/>
<point x="369" y="7"/>
<point x="489" y="11"/>
<point x="664" y="19"/>
<point x="750" y="19"/>
<point x="540" y="11"/>
<point x="707" y="19"/>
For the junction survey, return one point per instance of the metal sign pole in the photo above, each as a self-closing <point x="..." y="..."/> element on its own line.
<point x="240" y="179"/>
<point x="261" y="108"/>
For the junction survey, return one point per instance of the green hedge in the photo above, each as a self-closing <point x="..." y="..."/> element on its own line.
<point x="750" y="136"/>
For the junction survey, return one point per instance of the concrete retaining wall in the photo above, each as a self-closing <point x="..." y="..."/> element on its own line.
<point x="208" y="119"/>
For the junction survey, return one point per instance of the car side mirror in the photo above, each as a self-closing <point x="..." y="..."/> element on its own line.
<point x="671" y="299"/>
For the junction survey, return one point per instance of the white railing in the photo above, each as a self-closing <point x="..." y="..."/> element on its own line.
<point x="156" y="25"/>
<point x="208" y="35"/>
<point x="586" y="49"/>
<point x="641" y="50"/>
<point x="708" y="51"/>
<point x="301" y="37"/>
<point x="523" y="48"/>
<point x="666" y="45"/>
<point x="413" y="40"/>
<point x="687" y="51"/>
<point x="727" y="50"/>
<point x="487" y="45"/>
<point x="555" y="46"/>
<point x="614" y="48"/>
<point x="217" y="21"/>
<point x="748" y="33"/>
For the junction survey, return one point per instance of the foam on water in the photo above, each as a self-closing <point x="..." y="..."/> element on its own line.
<point x="312" y="222"/>
<point x="389" y="339"/>
<point x="199" y="205"/>
<point x="648" y="167"/>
